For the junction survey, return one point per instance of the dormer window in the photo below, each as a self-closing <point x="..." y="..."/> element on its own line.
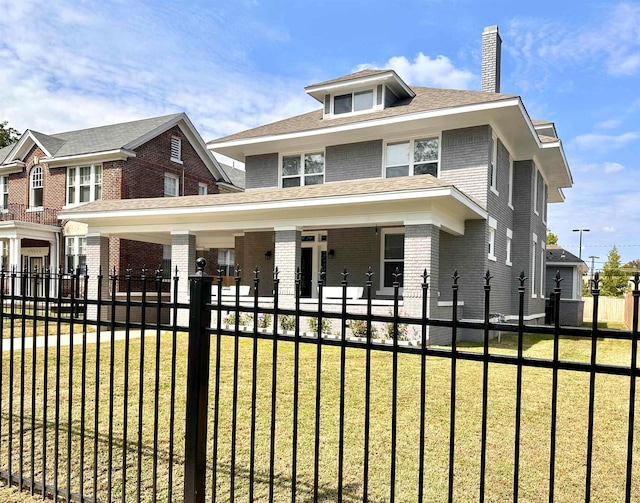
<point x="353" y="102"/>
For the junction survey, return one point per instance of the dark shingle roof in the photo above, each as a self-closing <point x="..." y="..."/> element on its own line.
<point x="426" y="99"/>
<point x="237" y="176"/>
<point x="104" y="138"/>
<point x="558" y="255"/>
<point x="4" y="152"/>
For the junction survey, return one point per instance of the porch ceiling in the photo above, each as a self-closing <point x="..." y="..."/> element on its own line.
<point x="216" y="219"/>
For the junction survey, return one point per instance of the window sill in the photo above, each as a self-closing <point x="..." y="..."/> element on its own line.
<point x="35" y="209"/>
<point x="494" y="190"/>
<point x="536" y="212"/>
<point x="511" y="206"/>
<point x="177" y="161"/>
<point x="493" y="258"/>
<point x="510" y="264"/>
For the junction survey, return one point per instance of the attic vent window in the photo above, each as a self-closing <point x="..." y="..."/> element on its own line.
<point x="353" y="102"/>
<point x="176" y="149"/>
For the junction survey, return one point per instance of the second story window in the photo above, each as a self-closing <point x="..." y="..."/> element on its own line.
<point x="302" y="169"/>
<point x="412" y="157"/>
<point x="84" y="184"/>
<point x="4" y="191"/>
<point x="35" y="187"/>
<point x="176" y="149"/>
<point x="171" y="185"/>
<point x="353" y="102"/>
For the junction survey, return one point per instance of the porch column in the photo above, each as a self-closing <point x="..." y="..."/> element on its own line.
<point x="97" y="261"/>
<point x="15" y="260"/>
<point x="183" y="256"/>
<point x="421" y="250"/>
<point x="287" y="260"/>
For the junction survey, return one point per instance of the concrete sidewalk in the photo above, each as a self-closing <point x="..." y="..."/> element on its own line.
<point x="65" y="339"/>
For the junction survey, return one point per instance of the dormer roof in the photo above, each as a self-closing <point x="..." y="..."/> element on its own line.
<point x="358" y="79"/>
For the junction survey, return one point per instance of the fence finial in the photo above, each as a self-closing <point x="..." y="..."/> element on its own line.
<point x="455" y="277"/>
<point x="595" y="283"/>
<point x="369" y="274"/>
<point x="256" y="272"/>
<point x="487" y="277"/>
<point x="344" y="275"/>
<point x="636" y="281"/>
<point x="275" y="274"/>
<point x="238" y="270"/>
<point x="424" y="275"/>
<point x="396" y="276"/>
<point x="522" y="278"/>
<point x="558" y="279"/>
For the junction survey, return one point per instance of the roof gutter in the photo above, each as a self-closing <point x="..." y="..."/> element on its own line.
<point x="109" y="155"/>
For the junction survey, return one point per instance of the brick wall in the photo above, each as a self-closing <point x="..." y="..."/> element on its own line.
<point x="261" y="171"/>
<point x="354" y="161"/>
<point x="357" y="250"/>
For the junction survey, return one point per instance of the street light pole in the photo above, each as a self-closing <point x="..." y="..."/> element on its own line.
<point x="580" y="231"/>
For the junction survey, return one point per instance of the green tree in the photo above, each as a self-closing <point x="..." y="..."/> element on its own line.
<point x="8" y="135"/>
<point x="552" y="239"/>
<point x="614" y="280"/>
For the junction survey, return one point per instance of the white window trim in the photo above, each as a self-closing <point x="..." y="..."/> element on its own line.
<point x="174" y="177"/>
<point x="534" y="261"/>
<point x="544" y="202"/>
<point x="4" y="189"/>
<point x="411" y="149"/>
<point x="493" y="178"/>
<point x="391" y="230"/>
<point x="75" y="241"/>
<point x="493" y="227"/>
<point x="535" y="190"/>
<point x="510" y="182"/>
<point x="509" y="247"/>
<point x="92" y="184"/>
<point x="203" y="189"/>
<point x="542" y="268"/>
<point x="179" y="144"/>
<point x="301" y="155"/>
<point x="32" y="207"/>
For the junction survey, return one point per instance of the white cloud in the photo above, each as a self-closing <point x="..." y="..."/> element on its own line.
<point x="610" y="42"/>
<point x="425" y="71"/>
<point x="609" y="124"/>
<point x="603" y="142"/>
<point x="612" y="167"/>
<point x="609" y="229"/>
<point x="93" y="64"/>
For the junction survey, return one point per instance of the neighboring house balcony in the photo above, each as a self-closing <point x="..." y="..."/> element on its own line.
<point x="24" y="213"/>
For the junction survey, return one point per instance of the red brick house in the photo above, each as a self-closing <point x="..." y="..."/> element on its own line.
<point x="42" y="174"/>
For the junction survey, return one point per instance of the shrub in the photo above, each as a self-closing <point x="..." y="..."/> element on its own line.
<point x="264" y="320"/>
<point x="326" y="325"/>
<point x="244" y="319"/>
<point x="287" y="322"/>
<point x="403" y="328"/>
<point x="359" y="329"/>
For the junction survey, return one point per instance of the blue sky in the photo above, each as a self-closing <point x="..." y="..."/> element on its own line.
<point x="231" y="65"/>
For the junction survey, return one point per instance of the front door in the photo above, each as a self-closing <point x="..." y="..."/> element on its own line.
<point x="36" y="264"/>
<point x="306" y="272"/>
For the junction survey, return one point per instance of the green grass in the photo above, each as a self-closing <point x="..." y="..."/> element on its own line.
<point x="610" y="435"/>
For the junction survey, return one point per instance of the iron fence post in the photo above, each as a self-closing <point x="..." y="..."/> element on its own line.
<point x="197" y="385"/>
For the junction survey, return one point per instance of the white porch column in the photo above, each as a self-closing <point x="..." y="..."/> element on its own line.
<point x="97" y="261"/>
<point x="183" y="256"/>
<point x="421" y="251"/>
<point x="15" y="259"/>
<point x="287" y="260"/>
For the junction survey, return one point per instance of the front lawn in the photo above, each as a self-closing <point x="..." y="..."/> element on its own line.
<point x="610" y="436"/>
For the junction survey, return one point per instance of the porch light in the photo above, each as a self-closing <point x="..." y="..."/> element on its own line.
<point x="332" y="253"/>
<point x="267" y="254"/>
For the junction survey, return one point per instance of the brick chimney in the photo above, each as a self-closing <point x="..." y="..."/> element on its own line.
<point x="491" y="45"/>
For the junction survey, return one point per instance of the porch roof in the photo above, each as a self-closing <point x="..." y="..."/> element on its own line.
<point x="216" y="218"/>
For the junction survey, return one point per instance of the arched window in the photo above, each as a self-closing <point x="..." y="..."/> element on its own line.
<point x="35" y="183"/>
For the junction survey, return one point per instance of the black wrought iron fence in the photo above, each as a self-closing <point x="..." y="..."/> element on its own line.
<point x="275" y="400"/>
